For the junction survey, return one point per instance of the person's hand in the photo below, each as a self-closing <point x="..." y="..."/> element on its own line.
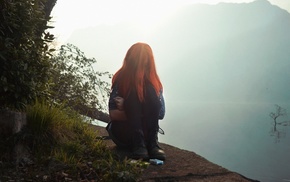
<point x="119" y="102"/>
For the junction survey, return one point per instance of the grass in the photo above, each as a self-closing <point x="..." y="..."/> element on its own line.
<point x="62" y="146"/>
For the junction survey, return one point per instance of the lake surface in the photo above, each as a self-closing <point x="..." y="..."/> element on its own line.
<point x="236" y="136"/>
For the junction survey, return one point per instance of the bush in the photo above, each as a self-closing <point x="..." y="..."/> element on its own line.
<point x="23" y="52"/>
<point x="65" y="146"/>
<point x="76" y="83"/>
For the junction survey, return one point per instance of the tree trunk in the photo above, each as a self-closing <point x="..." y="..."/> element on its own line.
<point x="48" y="6"/>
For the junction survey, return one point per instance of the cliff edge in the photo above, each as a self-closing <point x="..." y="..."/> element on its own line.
<point x="180" y="165"/>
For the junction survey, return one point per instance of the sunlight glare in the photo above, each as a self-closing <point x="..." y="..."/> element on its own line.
<point x="70" y="15"/>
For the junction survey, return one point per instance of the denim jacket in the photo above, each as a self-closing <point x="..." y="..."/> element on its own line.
<point x="114" y="93"/>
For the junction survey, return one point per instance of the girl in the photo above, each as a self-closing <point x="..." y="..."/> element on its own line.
<point x="136" y="104"/>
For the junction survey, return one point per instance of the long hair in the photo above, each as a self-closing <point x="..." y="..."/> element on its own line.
<point x="138" y="69"/>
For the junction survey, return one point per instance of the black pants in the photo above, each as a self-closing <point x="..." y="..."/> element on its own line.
<point x="142" y="124"/>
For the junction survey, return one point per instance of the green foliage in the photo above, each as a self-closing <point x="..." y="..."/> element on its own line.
<point x="76" y="82"/>
<point x="54" y="132"/>
<point x="24" y="52"/>
<point x="44" y="123"/>
<point x="118" y="170"/>
<point x="57" y="135"/>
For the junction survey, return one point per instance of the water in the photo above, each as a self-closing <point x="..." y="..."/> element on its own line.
<point x="233" y="135"/>
<point x="236" y="136"/>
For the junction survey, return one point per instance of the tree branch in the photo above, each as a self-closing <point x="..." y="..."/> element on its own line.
<point x="92" y="113"/>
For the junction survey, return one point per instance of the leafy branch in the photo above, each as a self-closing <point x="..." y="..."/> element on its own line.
<point x="75" y="82"/>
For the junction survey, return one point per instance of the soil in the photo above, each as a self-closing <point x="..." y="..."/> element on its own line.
<point x="180" y="165"/>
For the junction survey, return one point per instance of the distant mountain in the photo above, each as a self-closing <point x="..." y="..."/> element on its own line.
<point x="223" y="52"/>
<point x="227" y="52"/>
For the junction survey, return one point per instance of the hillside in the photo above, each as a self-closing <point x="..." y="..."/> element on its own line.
<point x="225" y="52"/>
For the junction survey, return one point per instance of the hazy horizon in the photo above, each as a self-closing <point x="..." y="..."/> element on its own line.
<point x="226" y="51"/>
<point x="224" y="67"/>
<point x="71" y="15"/>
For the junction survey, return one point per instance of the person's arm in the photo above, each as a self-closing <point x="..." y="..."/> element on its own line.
<point x="117" y="115"/>
<point x="162" y="109"/>
<point x="116" y="111"/>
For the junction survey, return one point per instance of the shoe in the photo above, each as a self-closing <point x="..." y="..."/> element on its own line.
<point x="140" y="153"/>
<point x="156" y="152"/>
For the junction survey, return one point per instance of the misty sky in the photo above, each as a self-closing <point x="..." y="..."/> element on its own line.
<point x="221" y="82"/>
<point x="69" y="15"/>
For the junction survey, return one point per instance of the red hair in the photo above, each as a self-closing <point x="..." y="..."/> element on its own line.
<point x="138" y="68"/>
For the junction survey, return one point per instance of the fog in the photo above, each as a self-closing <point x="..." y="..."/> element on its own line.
<point x="210" y="53"/>
<point x="223" y="69"/>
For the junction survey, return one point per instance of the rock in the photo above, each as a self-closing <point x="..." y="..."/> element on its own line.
<point x="180" y="165"/>
<point x="11" y="122"/>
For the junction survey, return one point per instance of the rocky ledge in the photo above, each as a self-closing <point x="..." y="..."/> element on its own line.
<point x="181" y="165"/>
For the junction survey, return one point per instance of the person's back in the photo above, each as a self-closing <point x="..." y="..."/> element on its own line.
<point x="136" y="104"/>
